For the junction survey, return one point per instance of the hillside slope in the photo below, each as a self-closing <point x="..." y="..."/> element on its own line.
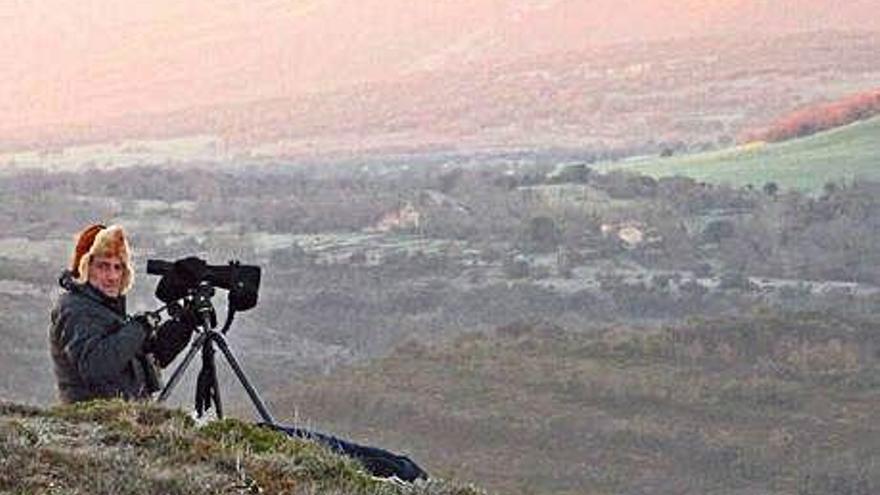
<point x="163" y="55"/>
<point x="770" y="403"/>
<point x="632" y="98"/>
<point x="848" y="152"/>
<point x="117" y="447"/>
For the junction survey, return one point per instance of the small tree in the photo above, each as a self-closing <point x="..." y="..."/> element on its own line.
<point x="717" y="230"/>
<point x="541" y="234"/>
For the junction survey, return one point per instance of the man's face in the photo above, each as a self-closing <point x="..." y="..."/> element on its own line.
<point x="105" y="273"/>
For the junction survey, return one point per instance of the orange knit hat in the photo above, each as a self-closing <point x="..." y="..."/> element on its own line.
<point x="101" y="240"/>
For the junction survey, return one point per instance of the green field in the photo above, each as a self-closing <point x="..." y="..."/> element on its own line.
<point x="808" y="163"/>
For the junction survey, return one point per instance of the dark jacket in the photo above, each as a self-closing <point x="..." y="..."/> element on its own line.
<point x="96" y="349"/>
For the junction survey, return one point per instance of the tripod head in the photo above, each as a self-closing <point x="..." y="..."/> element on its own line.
<point x="198" y="302"/>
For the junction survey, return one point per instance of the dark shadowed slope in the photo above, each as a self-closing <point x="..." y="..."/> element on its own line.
<point x="763" y="404"/>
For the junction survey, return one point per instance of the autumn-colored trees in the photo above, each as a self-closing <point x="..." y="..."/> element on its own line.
<point x="818" y="118"/>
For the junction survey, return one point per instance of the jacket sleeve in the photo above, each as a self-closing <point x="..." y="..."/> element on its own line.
<point x="100" y="354"/>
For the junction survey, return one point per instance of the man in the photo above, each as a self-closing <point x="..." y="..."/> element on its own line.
<point x="97" y="350"/>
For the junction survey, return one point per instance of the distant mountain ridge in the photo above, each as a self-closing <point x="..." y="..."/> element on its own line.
<point x="638" y="96"/>
<point x="164" y="56"/>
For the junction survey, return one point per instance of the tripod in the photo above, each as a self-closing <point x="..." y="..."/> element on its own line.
<point x="207" y="338"/>
<point x="377" y="461"/>
<point x="194" y="280"/>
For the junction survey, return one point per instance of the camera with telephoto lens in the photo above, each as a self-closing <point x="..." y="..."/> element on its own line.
<point x="184" y="277"/>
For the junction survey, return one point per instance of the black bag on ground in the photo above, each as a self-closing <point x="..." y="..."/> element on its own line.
<point x="378" y="462"/>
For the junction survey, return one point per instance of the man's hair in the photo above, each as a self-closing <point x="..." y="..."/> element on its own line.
<point x="100" y="240"/>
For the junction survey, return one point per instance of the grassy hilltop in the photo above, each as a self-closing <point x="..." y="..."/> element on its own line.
<point x="123" y="448"/>
<point x="806" y="163"/>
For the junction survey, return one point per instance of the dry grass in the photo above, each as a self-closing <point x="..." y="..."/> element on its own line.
<point x="124" y="448"/>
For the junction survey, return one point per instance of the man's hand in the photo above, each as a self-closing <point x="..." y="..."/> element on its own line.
<point x="168" y="340"/>
<point x="149" y="320"/>
<point x="165" y="342"/>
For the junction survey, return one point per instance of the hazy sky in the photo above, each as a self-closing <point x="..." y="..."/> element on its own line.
<point x="80" y="60"/>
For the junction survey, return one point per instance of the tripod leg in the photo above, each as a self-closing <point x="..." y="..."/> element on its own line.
<point x="178" y="372"/>
<point x="261" y="408"/>
<point x="217" y="403"/>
